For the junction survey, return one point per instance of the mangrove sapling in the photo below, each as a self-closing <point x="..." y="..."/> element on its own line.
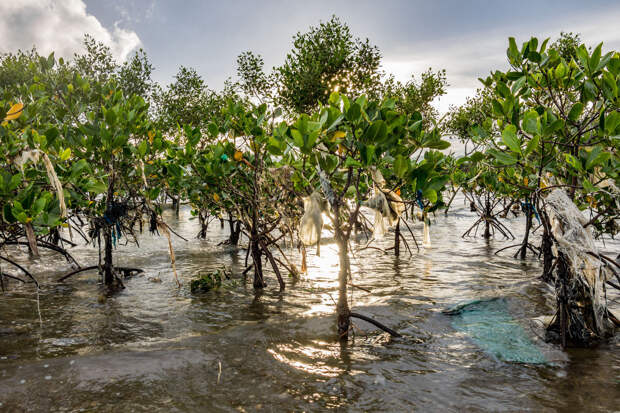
<point x="338" y="146"/>
<point x="558" y="118"/>
<point x="484" y="205"/>
<point x="112" y="140"/>
<point x="235" y="176"/>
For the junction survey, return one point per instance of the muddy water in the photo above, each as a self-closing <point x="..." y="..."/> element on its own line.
<point x="153" y="347"/>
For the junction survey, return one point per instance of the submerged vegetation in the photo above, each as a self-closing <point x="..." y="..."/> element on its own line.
<point x="91" y="150"/>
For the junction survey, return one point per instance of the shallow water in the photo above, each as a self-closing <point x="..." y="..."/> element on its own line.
<point x="153" y="347"/>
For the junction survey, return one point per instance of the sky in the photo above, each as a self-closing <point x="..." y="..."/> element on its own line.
<point x="467" y="38"/>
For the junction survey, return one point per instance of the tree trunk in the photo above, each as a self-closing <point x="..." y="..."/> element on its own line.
<point x="108" y="268"/>
<point x="397" y="238"/>
<point x="32" y="240"/>
<point x="342" y="308"/>
<point x="547" y="255"/>
<point x="235" y="231"/>
<point x="55" y="236"/>
<point x="202" y="234"/>
<point x="259" y="281"/>
<point x="487" y="218"/>
<point x="582" y="317"/>
<point x="526" y="237"/>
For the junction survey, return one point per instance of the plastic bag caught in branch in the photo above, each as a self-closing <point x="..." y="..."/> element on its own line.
<point x="382" y="210"/>
<point x="311" y="222"/>
<point x="386" y="203"/>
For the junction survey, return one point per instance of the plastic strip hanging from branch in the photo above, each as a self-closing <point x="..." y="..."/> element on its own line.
<point x="33" y="156"/>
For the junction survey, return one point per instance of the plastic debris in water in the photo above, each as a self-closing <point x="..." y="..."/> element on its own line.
<point x="489" y="325"/>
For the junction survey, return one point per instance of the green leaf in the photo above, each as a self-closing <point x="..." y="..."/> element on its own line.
<point x="497" y="107"/>
<point x="401" y="166"/>
<point x="213" y="129"/>
<point x="503" y="157"/>
<point x="7" y="214"/>
<point x="513" y="50"/>
<point x="368" y="153"/>
<point x="595" y="58"/>
<point x="351" y="162"/>
<point x="64" y="155"/>
<point x="298" y="139"/>
<point x="572" y="161"/>
<point x="575" y="111"/>
<point x="16" y="180"/>
<point x="582" y="55"/>
<point x="503" y="90"/>
<point x="354" y="113"/>
<point x="509" y="136"/>
<point x="110" y="117"/>
<point x="534" y="57"/>
<point x="38" y="206"/>
<point x="153" y="193"/>
<point x="142" y="147"/>
<point x="516" y="86"/>
<point x="532" y="145"/>
<point x="531" y="122"/>
<point x="550" y="129"/>
<point x="431" y="195"/>
<point x="312" y="137"/>
<point x="96" y="187"/>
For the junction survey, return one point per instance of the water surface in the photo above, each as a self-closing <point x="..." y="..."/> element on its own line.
<point x="153" y="347"/>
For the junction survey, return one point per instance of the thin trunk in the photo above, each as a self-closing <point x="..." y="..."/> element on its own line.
<point x="526" y="237"/>
<point x="547" y="255"/>
<point x="235" y="231"/>
<point x="55" y="236"/>
<point x="456" y="191"/>
<point x="259" y="282"/>
<point x="342" y="308"/>
<point x="32" y="240"/>
<point x="108" y="269"/>
<point x="487" y="218"/>
<point x="202" y="234"/>
<point x="397" y="238"/>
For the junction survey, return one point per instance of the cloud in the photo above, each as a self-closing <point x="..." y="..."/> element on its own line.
<point x="58" y="26"/>
<point x="468" y="56"/>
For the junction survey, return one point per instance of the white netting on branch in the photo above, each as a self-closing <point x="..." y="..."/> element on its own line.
<point x="576" y="243"/>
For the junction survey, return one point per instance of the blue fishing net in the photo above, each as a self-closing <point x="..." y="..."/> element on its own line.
<point x="489" y="325"/>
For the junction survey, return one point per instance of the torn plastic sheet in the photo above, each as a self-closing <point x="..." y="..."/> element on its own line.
<point x="490" y="326"/>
